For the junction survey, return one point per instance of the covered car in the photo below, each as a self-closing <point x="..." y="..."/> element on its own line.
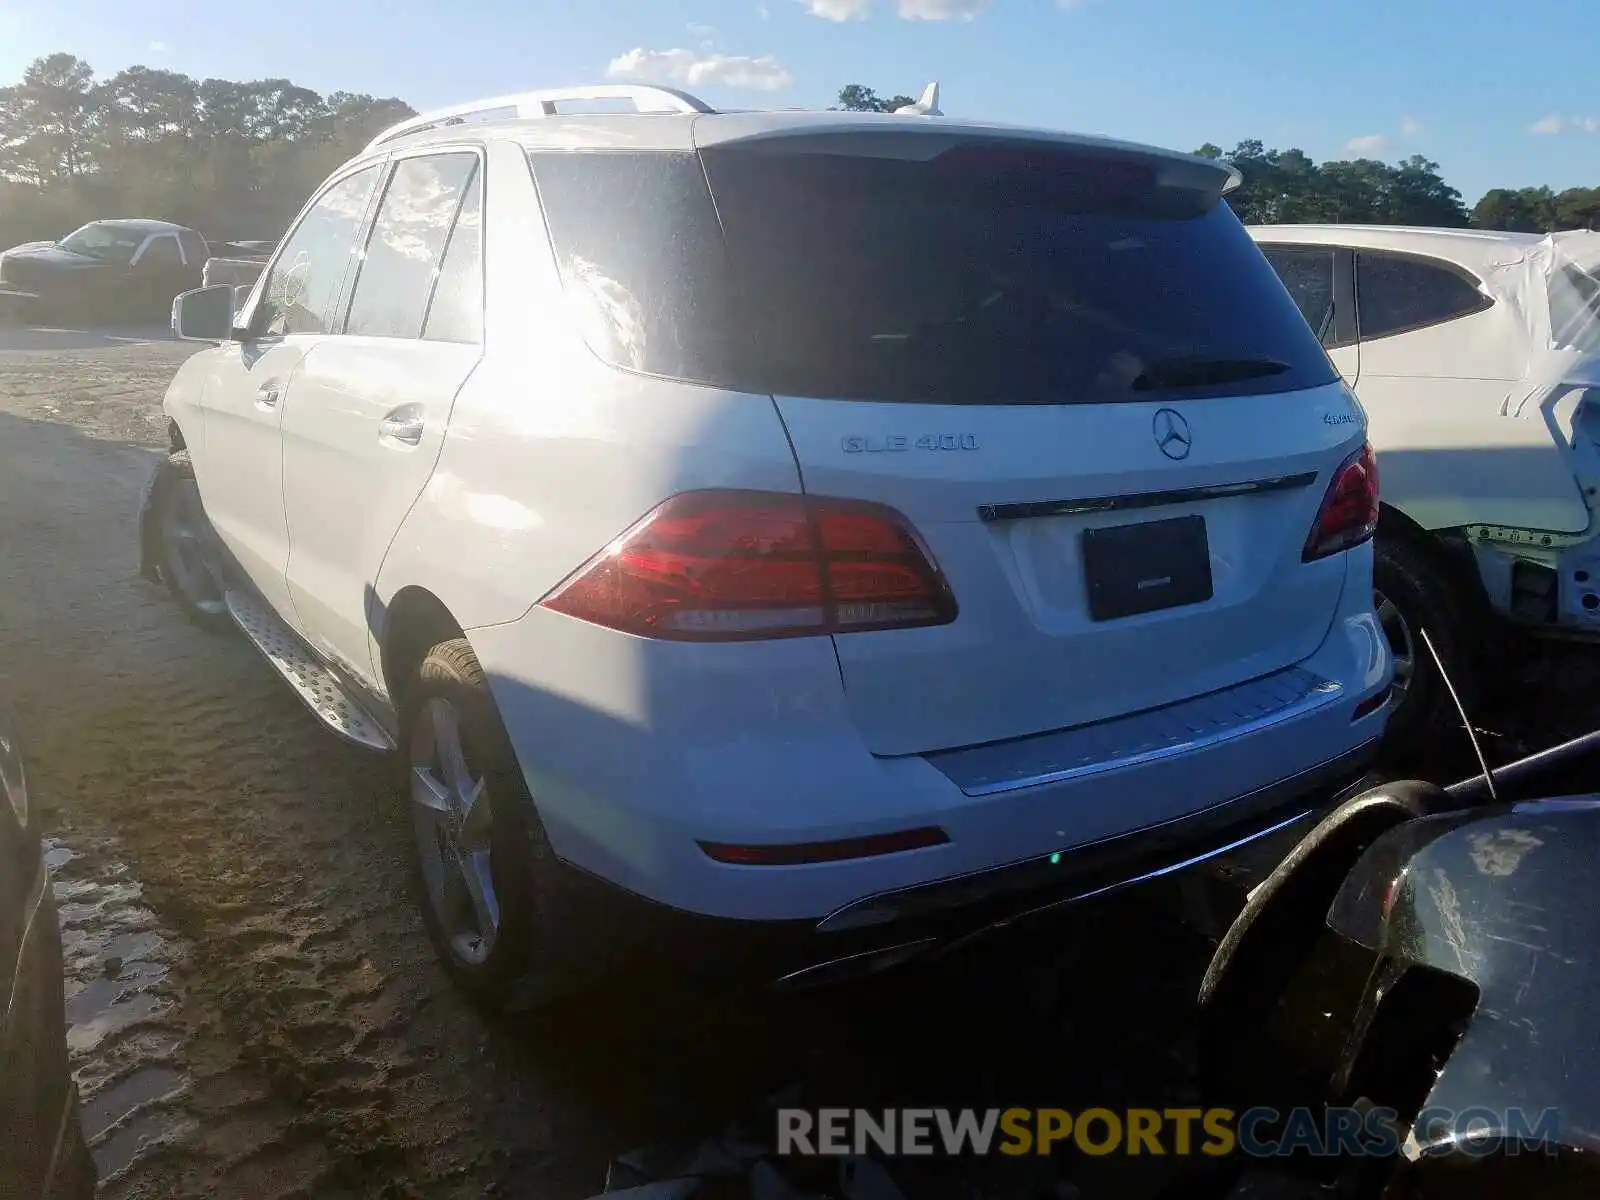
<point x="1475" y="355"/>
<point x="105" y="270"/>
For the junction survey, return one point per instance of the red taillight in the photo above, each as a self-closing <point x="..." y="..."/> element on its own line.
<point x="1349" y="512"/>
<point x="727" y="565"/>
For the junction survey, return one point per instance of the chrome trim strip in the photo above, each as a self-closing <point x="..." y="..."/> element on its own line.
<point x="1144" y="877"/>
<point x="1096" y="504"/>
<point x="920" y="899"/>
<point x="1319" y="694"/>
<point x="854" y="966"/>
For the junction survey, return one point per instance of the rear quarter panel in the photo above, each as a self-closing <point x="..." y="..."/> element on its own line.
<point x="1448" y="455"/>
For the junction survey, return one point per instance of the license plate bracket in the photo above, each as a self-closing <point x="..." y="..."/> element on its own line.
<point x="1146" y="567"/>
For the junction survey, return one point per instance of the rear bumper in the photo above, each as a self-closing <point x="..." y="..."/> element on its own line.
<point x="639" y="753"/>
<point x="927" y="920"/>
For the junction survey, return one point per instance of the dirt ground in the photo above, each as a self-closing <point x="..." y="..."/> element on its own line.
<point x="298" y="1039"/>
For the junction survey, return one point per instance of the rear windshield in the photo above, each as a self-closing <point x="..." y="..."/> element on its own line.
<point x="980" y="275"/>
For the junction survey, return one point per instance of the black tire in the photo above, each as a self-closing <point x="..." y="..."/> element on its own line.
<point x="1423" y="595"/>
<point x="525" y="957"/>
<point x="175" y="506"/>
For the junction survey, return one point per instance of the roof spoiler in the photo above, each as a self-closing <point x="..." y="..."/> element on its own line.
<point x="927" y="106"/>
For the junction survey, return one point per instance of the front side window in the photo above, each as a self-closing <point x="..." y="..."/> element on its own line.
<point x="981" y="274"/>
<point x="1396" y="294"/>
<point x="1308" y="274"/>
<point x="396" y="278"/>
<point x="98" y="239"/>
<point x="300" y="293"/>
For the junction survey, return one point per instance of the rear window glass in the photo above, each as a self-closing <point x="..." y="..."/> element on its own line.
<point x="1575" y="309"/>
<point x="1396" y="294"/>
<point x="980" y="275"/>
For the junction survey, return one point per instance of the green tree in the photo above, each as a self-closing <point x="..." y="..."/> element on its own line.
<point x="855" y="97"/>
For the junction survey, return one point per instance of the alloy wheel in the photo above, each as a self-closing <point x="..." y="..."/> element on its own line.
<point x="451" y="821"/>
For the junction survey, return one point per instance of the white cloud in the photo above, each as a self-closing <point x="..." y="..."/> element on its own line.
<point x="839" y="10"/>
<point x="1410" y="127"/>
<point x="158" y="47"/>
<point x="1372" y="143"/>
<point x="941" y="10"/>
<point x="908" y="10"/>
<point x="1558" y="124"/>
<point x="692" y="68"/>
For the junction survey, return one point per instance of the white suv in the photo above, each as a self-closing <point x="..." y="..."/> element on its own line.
<point x="864" y="527"/>
<point x="1476" y="355"/>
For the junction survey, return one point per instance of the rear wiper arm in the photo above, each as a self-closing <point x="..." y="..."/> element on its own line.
<point x="1198" y="372"/>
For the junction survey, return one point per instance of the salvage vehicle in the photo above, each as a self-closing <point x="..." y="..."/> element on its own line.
<point x="236" y="262"/>
<point x="42" y="1149"/>
<point x="1423" y="960"/>
<point x="1471" y="352"/>
<point x="741" y="521"/>
<point x="107" y="270"/>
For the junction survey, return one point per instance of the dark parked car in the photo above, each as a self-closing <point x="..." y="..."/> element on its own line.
<point x="42" y="1150"/>
<point x="107" y="270"/>
<point x="1426" y="959"/>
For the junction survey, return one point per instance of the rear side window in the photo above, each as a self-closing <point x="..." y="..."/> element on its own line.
<point x="395" y="280"/>
<point x="456" y="313"/>
<point x="1396" y="294"/>
<point x="1308" y="274"/>
<point x="161" y="253"/>
<point x="641" y="258"/>
<point x="300" y="293"/>
<point x="195" y="251"/>
<point x="979" y="275"/>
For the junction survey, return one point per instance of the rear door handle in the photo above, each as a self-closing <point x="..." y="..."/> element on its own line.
<point x="267" y="395"/>
<point x="404" y="426"/>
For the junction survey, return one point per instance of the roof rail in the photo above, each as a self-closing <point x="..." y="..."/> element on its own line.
<point x="646" y="97"/>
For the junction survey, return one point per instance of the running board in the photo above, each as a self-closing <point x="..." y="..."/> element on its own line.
<point x="318" y="687"/>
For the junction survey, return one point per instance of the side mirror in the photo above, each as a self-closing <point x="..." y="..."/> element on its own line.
<point x="204" y="314"/>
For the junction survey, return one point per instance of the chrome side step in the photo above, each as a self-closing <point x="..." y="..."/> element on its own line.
<point x="318" y="687"/>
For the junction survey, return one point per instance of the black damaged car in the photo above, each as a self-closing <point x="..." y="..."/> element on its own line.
<point x="43" y="1155"/>
<point x="104" y="271"/>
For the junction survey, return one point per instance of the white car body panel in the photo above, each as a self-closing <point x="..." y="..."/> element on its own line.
<point x="535" y="455"/>
<point x="240" y="467"/>
<point x="348" y="485"/>
<point x="1455" y="447"/>
<point x="918" y="690"/>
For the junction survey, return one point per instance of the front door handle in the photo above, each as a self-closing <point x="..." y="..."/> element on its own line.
<point x="267" y="395"/>
<point x="404" y="426"/>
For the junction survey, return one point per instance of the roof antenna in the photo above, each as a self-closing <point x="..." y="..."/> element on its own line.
<point x="928" y="106"/>
<point x="1466" y="721"/>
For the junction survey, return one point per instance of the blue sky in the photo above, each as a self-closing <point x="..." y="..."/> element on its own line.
<point x="1500" y="94"/>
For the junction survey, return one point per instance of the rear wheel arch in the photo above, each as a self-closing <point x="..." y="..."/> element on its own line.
<point x="175" y="439"/>
<point x="1451" y="556"/>
<point x="415" y="621"/>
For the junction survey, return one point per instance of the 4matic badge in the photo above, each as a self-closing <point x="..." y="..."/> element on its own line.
<point x="895" y="443"/>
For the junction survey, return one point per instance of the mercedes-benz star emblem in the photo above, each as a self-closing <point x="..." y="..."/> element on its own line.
<point x="1171" y="432"/>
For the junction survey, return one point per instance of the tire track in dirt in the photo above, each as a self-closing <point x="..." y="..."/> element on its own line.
<point x="324" y="1052"/>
